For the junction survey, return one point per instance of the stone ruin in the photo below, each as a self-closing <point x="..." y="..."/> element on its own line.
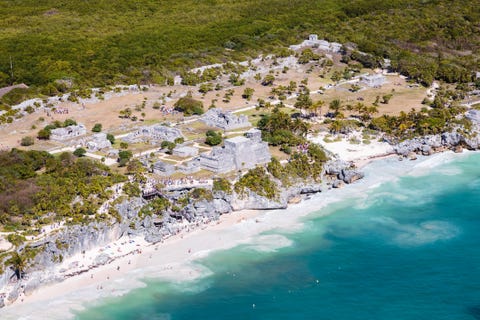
<point x="242" y="152"/>
<point x="99" y="141"/>
<point x="373" y="80"/>
<point x="185" y="151"/>
<point x="225" y="120"/>
<point x="324" y="45"/>
<point x="189" y="167"/>
<point x="62" y="134"/>
<point x="154" y="134"/>
<point x="163" y="168"/>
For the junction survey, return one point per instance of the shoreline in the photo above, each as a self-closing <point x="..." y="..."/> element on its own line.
<point x="172" y="259"/>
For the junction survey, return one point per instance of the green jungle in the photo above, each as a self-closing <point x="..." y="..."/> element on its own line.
<point x="96" y="43"/>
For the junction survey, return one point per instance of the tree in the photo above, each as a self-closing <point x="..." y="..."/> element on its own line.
<point x="386" y="98"/>
<point x="292" y="86"/>
<point x="135" y="166"/>
<point x="18" y="262"/>
<point x="79" y="152"/>
<point x="336" y="126"/>
<point x="336" y="106"/>
<point x="123" y="145"/>
<point x="205" y="87"/>
<point x="97" y="127"/>
<point x="123" y="157"/>
<point x="44" y="134"/>
<point x="179" y="140"/>
<point x="248" y="93"/>
<point x="304" y="102"/>
<point x="27" y="141"/>
<point x="189" y="106"/>
<point x="317" y="106"/>
<point x="236" y="80"/>
<point x="213" y="138"/>
<point x="336" y="76"/>
<point x="69" y="122"/>
<point x="268" y="80"/>
<point x="307" y="55"/>
<point x="168" y="145"/>
<point x="111" y="138"/>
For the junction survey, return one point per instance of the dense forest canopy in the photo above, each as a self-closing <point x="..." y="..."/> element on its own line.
<point x="100" y="42"/>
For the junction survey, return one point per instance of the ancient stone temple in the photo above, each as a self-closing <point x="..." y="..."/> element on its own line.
<point x="314" y="42"/>
<point x="225" y="120"/>
<point x="62" y="134"/>
<point x="238" y="153"/>
<point x="154" y="134"/>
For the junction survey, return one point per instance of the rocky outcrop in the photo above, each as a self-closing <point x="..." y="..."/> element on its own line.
<point x="256" y="202"/>
<point x="350" y="176"/>
<point x="343" y="170"/>
<point x="430" y="144"/>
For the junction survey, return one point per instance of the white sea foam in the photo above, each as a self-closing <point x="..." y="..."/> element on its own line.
<point x="269" y="243"/>
<point x="417" y="234"/>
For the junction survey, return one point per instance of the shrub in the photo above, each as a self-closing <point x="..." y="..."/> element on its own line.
<point x="258" y="181"/>
<point x="223" y="185"/>
<point x="27" y="141"/>
<point x="97" y="127"/>
<point x="44" y="134"/>
<point x="111" y="138"/>
<point x="79" y="152"/>
<point x="213" y="138"/>
<point x="189" y="106"/>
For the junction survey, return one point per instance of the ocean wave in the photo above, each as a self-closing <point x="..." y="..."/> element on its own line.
<point x="409" y="235"/>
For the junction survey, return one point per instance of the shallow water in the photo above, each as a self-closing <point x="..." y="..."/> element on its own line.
<point x="403" y="249"/>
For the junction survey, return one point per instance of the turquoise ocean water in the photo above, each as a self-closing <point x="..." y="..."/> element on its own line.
<point x="407" y="248"/>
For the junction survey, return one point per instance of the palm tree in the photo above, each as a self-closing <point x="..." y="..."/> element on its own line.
<point x="335" y="105"/>
<point x="336" y="126"/>
<point x="318" y="106"/>
<point x="18" y="263"/>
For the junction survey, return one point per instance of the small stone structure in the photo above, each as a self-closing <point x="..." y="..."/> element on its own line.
<point x="62" y="134"/>
<point x="313" y="41"/>
<point x="373" y="80"/>
<point x="113" y="153"/>
<point x="224" y="119"/>
<point x="242" y="152"/>
<point x="185" y="151"/>
<point x="154" y="134"/>
<point x="190" y="167"/>
<point x="98" y="142"/>
<point x="163" y="168"/>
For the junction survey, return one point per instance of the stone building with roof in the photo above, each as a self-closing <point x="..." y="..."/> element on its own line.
<point x="67" y="133"/>
<point x="238" y="153"/>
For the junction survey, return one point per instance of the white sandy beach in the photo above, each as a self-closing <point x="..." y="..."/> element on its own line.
<point x="360" y="153"/>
